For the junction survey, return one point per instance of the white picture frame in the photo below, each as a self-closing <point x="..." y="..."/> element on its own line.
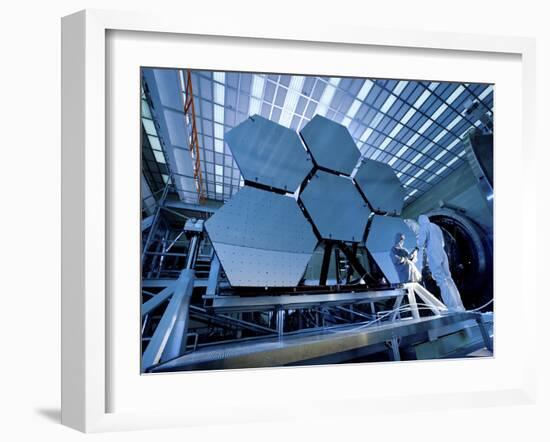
<point x="87" y="210"/>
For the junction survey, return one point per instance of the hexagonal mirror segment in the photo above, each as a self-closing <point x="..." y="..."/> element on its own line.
<point x="330" y="144"/>
<point x="336" y="207"/>
<point x="381" y="187"/>
<point x="262" y="239"/>
<point x="269" y="154"/>
<point x="381" y="238"/>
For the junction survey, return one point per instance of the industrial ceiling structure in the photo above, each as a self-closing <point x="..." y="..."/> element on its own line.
<point x="414" y="126"/>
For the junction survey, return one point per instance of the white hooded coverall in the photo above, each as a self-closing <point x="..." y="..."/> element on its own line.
<point x="430" y="239"/>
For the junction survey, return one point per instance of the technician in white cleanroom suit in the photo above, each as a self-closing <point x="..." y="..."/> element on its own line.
<point x="403" y="260"/>
<point x="430" y="239"/>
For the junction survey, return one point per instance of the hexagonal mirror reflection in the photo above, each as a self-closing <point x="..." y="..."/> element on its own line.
<point x="336" y="207"/>
<point x="269" y="154"/>
<point x="330" y="144"/>
<point x="262" y="239"/>
<point x="380" y="185"/>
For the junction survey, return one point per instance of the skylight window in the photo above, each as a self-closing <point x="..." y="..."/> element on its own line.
<point x="291" y="99"/>
<point x="327" y="96"/>
<point x="425" y="126"/>
<point x="388" y="103"/>
<point x="352" y="111"/>
<point x="440" y="154"/>
<point x="400" y="86"/>
<point x="439" y="111"/>
<point x="419" y="173"/>
<point x="219" y="94"/>
<point x="402" y="150"/>
<point x="159" y="156"/>
<point x="376" y="120"/>
<point x="218" y="146"/>
<point x="385" y="143"/>
<point x="396" y="130"/>
<point x="258" y="83"/>
<point x="219" y="170"/>
<point x="145" y="111"/>
<point x="413" y="139"/>
<point x="149" y="126"/>
<point x="255" y="106"/>
<point x="455" y="94"/>
<point x="366" y="135"/>
<point x="218" y="131"/>
<point x="365" y="89"/>
<point x="486" y="92"/>
<point x="439" y="136"/>
<point x="453" y="144"/>
<point x="154" y="142"/>
<point x="420" y="100"/>
<point x="454" y="160"/>
<point x="454" y="122"/>
<point x="219" y="114"/>
<point x="427" y="148"/>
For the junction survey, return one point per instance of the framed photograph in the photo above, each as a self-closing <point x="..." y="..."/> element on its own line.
<point x="243" y="218"/>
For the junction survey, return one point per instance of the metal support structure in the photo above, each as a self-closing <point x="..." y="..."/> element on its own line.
<point x="396" y="356"/>
<point x="154" y="223"/>
<point x="354" y="262"/>
<point x="337" y="265"/>
<point x="271" y="351"/>
<point x="396" y="306"/>
<point x="192" y="252"/>
<point x="484" y="333"/>
<point x="435" y="305"/>
<point x="280" y="323"/>
<point x="189" y="110"/>
<point x="174" y="321"/>
<point x="170" y="337"/>
<point x="228" y="321"/>
<point x="266" y="303"/>
<point x="326" y="263"/>
<point x="213" y="276"/>
<point x="177" y="338"/>
<point x="412" y="302"/>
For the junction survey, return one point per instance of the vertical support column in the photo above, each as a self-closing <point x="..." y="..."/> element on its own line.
<point x="280" y="323"/>
<point x="326" y="263"/>
<point x="395" y="349"/>
<point x="337" y="265"/>
<point x="396" y="307"/>
<point x="486" y="338"/>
